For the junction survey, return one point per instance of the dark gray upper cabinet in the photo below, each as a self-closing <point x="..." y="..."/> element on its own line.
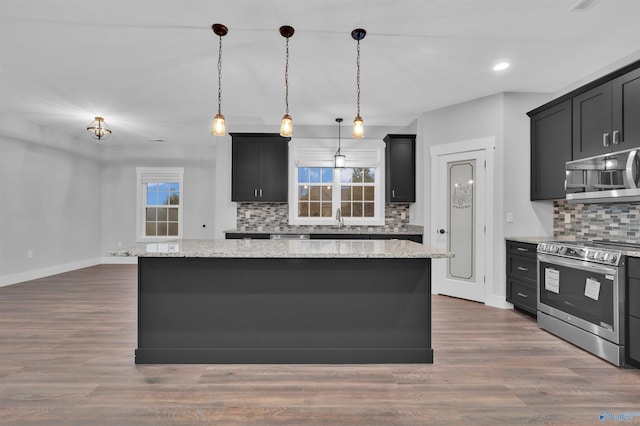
<point x="400" y="158"/>
<point x="606" y="118"/>
<point x="626" y="109"/>
<point x="260" y="163"/>
<point x="550" y="150"/>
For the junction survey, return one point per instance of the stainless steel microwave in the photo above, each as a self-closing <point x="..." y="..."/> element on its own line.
<point x="613" y="177"/>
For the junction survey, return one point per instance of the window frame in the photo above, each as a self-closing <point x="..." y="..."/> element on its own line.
<point x="362" y="153"/>
<point x="146" y="175"/>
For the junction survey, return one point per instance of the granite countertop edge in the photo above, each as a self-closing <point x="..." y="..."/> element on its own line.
<point x="294" y="249"/>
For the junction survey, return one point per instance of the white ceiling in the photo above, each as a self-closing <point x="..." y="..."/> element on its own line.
<point x="149" y="66"/>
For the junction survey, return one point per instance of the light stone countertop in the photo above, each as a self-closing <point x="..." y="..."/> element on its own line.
<point x="283" y="249"/>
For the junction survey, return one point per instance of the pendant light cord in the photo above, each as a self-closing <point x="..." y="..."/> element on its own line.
<point x="286" y="80"/>
<point x="220" y="75"/>
<point x="358" y="77"/>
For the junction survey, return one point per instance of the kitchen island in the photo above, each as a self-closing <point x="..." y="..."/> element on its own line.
<point x="284" y="301"/>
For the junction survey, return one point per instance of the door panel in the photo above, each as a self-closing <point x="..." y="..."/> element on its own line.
<point x="460" y="219"/>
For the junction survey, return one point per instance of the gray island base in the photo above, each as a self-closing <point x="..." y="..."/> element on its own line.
<point x="316" y="308"/>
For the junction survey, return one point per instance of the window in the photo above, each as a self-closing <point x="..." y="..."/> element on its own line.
<point x="317" y="190"/>
<point x="357" y="192"/>
<point x="162" y="204"/>
<point x="159" y="203"/>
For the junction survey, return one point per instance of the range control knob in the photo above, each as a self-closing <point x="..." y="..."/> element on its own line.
<point x="612" y="258"/>
<point x="600" y="256"/>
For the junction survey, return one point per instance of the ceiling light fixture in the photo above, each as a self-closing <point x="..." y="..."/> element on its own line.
<point x="339" y="160"/>
<point x="98" y="129"/>
<point x="501" y="66"/>
<point x="286" y="125"/>
<point x="219" y="128"/>
<point x="358" y="124"/>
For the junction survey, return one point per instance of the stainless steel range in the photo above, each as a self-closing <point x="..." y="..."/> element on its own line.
<point x="581" y="295"/>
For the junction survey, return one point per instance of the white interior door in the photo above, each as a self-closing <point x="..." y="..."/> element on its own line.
<point x="459" y="214"/>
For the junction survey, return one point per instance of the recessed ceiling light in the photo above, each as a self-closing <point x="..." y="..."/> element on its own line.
<point x="501" y="66"/>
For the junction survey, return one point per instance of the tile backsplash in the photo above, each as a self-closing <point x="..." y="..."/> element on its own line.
<point x="275" y="217"/>
<point x="616" y="221"/>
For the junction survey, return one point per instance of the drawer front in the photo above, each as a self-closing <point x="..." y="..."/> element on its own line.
<point x="634" y="296"/>
<point x="634" y="339"/>
<point x="522" y="249"/>
<point x="523" y="267"/>
<point x="522" y="294"/>
<point x="633" y="267"/>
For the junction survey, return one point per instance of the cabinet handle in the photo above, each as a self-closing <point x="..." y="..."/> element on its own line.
<point x="605" y="139"/>
<point x="260" y="192"/>
<point x="522" y="268"/>
<point x="616" y="137"/>
<point x="522" y="249"/>
<point x="393" y="193"/>
<point x="255" y="193"/>
<point x="523" y="295"/>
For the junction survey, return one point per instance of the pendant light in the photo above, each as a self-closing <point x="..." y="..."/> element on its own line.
<point x="358" y="124"/>
<point x="286" y="125"/>
<point x="339" y="160"/>
<point x="98" y="129"/>
<point x="219" y="128"/>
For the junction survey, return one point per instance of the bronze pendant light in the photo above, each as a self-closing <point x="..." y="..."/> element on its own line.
<point x="286" y="125"/>
<point x="358" y="124"/>
<point x="219" y="128"/>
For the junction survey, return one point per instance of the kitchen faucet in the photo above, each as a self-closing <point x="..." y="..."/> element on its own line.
<point x="339" y="218"/>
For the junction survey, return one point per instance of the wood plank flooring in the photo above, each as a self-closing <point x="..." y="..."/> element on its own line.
<point x="66" y="357"/>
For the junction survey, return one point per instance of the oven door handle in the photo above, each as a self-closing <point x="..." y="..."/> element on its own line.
<point x="578" y="264"/>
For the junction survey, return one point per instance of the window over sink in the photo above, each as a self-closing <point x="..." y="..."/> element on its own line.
<point x="317" y="190"/>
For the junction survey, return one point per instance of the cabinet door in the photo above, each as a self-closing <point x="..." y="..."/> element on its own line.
<point x="626" y="110"/>
<point x="275" y="170"/>
<point x="400" y="168"/>
<point x="550" y="150"/>
<point x="592" y="122"/>
<point x="246" y="169"/>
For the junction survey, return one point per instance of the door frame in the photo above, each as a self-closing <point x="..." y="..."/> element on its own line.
<point x="488" y="145"/>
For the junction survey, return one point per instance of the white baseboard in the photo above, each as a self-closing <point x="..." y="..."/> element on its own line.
<point x="45" y="272"/>
<point x="498" y="302"/>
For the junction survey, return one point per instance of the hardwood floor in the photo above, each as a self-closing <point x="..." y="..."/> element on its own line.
<point x="66" y="357"/>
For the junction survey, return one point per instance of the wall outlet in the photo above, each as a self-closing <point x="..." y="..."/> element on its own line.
<point x="509" y="217"/>
<point x="119" y="244"/>
<point x="30" y="254"/>
<point x="567" y="218"/>
<point x="403" y="215"/>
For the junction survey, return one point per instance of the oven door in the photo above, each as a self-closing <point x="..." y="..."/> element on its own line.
<point x="583" y="294"/>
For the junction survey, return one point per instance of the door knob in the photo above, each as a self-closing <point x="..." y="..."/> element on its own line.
<point x="442" y="231"/>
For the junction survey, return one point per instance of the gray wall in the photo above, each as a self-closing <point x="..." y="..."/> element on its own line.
<point x="118" y="225"/>
<point x="503" y="117"/>
<point x="50" y="192"/>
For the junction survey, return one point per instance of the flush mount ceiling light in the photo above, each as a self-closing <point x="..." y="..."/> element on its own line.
<point x="501" y="66"/>
<point x="286" y="125"/>
<point x="358" y="124"/>
<point x="98" y="129"/>
<point x="218" y="128"/>
<point x="339" y="160"/>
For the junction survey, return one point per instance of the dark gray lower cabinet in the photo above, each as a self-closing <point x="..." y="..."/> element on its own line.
<point x="633" y="312"/>
<point x="522" y="276"/>
<point x="279" y="310"/>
